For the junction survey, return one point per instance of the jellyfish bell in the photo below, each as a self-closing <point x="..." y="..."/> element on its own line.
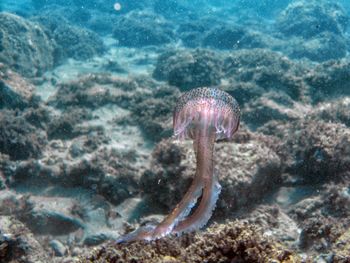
<point x="206" y="109"/>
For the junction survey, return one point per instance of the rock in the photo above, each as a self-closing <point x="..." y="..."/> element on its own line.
<point x="18" y="138"/>
<point x="24" y="46"/>
<point x="329" y="80"/>
<point x="95" y="239"/>
<point x="59" y="249"/>
<point x="310" y="18"/>
<point x="11" y="204"/>
<point x="247" y="172"/>
<point x="319" y="233"/>
<point x="2" y="182"/>
<point x="325" y="46"/>
<point x="243" y="92"/>
<point x="224" y="36"/>
<point x="99" y="227"/>
<point x="336" y="196"/>
<point x="273" y="106"/>
<point x="15" y="92"/>
<point x="308" y="207"/>
<point x="141" y="102"/>
<point x="235" y="241"/>
<point x="95" y="90"/>
<point x="321" y="216"/>
<point x="98" y="17"/>
<point x="259" y="8"/>
<point x="121" y="185"/>
<point x="140" y="28"/>
<point x="101" y="22"/>
<point x="228" y="36"/>
<point x="52" y="215"/>
<point x="267" y="69"/>
<point x="153" y="114"/>
<point x="192" y="32"/>
<point x="275" y="223"/>
<point x="189" y="69"/>
<point x="65" y="126"/>
<point x="333" y="111"/>
<point x="342" y="246"/>
<point x="110" y="173"/>
<point x="171" y="9"/>
<point x="113" y="66"/>
<point x="76" y="251"/>
<point x="71" y="41"/>
<point x="167" y="180"/>
<point x="17" y="243"/>
<point x="319" y="28"/>
<point x="313" y="151"/>
<point x="132" y="209"/>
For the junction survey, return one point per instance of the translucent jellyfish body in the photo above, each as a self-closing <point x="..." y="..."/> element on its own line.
<point x="203" y="115"/>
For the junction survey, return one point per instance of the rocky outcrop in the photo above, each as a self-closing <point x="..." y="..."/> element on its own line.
<point x="246" y="171"/>
<point x="140" y="28"/>
<point x="24" y="46"/>
<point x="189" y="69"/>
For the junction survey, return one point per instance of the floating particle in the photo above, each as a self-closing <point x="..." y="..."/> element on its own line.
<point x="117" y="6"/>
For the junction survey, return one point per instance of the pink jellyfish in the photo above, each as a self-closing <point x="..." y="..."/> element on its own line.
<point x="203" y="115"/>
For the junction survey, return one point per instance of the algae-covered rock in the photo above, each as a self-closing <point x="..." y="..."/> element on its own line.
<point x="52" y="216"/>
<point x="329" y="80"/>
<point x="323" y="47"/>
<point x="333" y="111"/>
<point x="314" y="29"/>
<point x="70" y="41"/>
<point x="228" y="36"/>
<point x="231" y="242"/>
<point x="192" y="32"/>
<point x="247" y="171"/>
<point x="310" y="18"/>
<point x="18" y="138"/>
<point x="272" y="106"/>
<point x="315" y="151"/>
<point x="17" y="243"/>
<point x="341" y="248"/>
<point x="143" y="102"/>
<point x="24" y="46"/>
<point x="94" y="90"/>
<point x="15" y="91"/>
<point x="140" y="28"/>
<point x="189" y="69"/>
<point x="269" y="70"/>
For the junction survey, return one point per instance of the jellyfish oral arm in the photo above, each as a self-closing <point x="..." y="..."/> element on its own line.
<point x="205" y="184"/>
<point x="204" y="145"/>
<point x="181" y="210"/>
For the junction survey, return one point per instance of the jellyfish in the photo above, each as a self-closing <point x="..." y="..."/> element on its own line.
<point x="203" y="115"/>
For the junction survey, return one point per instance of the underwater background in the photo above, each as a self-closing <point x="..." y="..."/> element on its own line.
<point x="87" y="94"/>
